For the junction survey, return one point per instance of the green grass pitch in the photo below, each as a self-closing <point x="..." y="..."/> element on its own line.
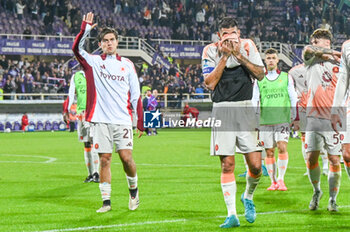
<point x="42" y="189"/>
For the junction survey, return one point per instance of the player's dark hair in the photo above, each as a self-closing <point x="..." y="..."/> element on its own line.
<point x="227" y="22"/>
<point x="321" y="34"/>
<point x="105" y="31"/>
<point x="271" y="51"/>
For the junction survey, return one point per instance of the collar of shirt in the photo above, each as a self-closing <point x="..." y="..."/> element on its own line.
<point x="116" y="56"/>
<point x="272" y="75"/>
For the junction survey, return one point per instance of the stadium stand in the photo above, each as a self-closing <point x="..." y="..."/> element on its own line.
<point x="48" y="126"/>
<point x="39" y="126"/>
<point x="16" y="126"/>
<point x="289" y="22"/>
<point x="19" y="79"/>
<point x="8" y="125"/>
<point x="55" y="125"/>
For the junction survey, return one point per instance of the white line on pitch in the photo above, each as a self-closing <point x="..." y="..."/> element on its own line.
<point x="137" y="164"/>
<point x="49" y="159"/>
<point x="168" y="221"/>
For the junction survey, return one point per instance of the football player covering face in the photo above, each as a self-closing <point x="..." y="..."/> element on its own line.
<point x="229" y="40"/>
<point x="321" y="42"/>
<point x="321" y="61"/>
<point x="221" y="62"/>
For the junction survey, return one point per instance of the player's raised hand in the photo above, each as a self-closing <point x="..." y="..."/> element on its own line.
<point x="237" y="49"/>
<point x="336" y="55"/>
<point x="335" y="119"/>
<point x="89" y="18"/>
<point x="225" y="48"/>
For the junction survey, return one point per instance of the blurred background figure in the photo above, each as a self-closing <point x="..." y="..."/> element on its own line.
<point x="25" y="122"/>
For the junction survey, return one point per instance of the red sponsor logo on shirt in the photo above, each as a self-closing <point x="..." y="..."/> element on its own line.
<point x="335" y="69"/>
<point x="112" y="77"/>
<point x="216" y="147"/>
<point x="96" y="146"/>
<point x="341" y="137"/>
<point x="305" y="146"/>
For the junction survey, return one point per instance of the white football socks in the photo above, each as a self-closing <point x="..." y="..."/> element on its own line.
<point x="132" y="182"/>
<point x="88" y="160"/>
<point x="95" y="161"/>
<point x="252" y="182"/>
<point x="314" y="173"/>
<point x="229" y="188"/>
<point x="271" y="168"/>
<point x="282" y="165"/>
<point x="334" y="181"/>
<point x="106" y="190"/>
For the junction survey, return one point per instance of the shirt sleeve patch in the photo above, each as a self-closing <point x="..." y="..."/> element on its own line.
<point x="207" y="70"/>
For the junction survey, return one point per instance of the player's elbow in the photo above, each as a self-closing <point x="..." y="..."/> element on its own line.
<point x="210" y="86"/>
<point x="260" y="75"/>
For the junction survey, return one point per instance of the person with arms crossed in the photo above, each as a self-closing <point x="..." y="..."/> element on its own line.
<point x="322" y="65"/>
<point x="277" y="98"/>
<point x="112" y="91"/>
<point x="340" y="93"/>
<point x="228" y="68"/>
<point x="298" y="74"/>
<point x="78" y="86"/>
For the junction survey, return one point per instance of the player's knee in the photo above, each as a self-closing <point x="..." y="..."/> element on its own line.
<point x="270" y="153"/>
<point x="334" y="160"/>
<point x="346" y="157"/>
<point x="346" y="152"/>
<point x="282" y="149"/>
<point x="105" y="161"/>
<point x="311" y="161"/>
<point x="312" y="157"/>
<point x="255" y="169"/>
<point x="128" y="160"/>
<point x="227" y="167"/>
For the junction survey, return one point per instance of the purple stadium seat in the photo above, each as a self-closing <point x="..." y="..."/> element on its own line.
<point x="2" y="128"/>
<point x="39" y="126"/>
<point x="8" y="125"/>
<point x="48" y="126"/>
<point x="16" y="126"/>
<point x="55" y="126"/>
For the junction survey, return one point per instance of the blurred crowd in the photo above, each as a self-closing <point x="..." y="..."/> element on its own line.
<point x="193" y="19"/>
<point x="186" y="19"/>
<point x="23" y="76"/>
<point x="38" y="76"/>
<point x="295" y="25"/>
<point x="178" y="82"/>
